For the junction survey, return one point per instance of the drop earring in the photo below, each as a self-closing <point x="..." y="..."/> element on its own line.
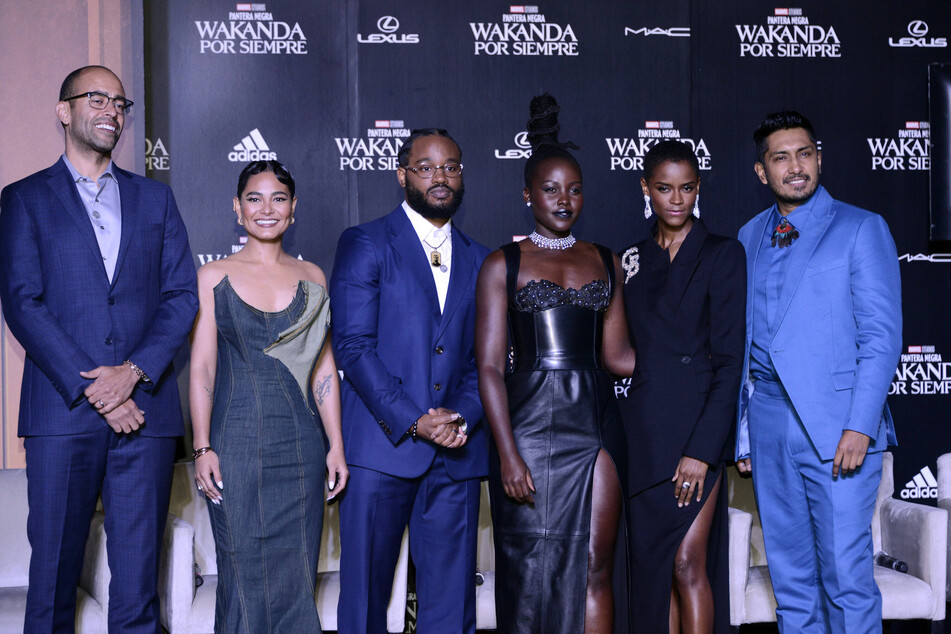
<point x="528" y="203"/>
<point x="647" y="206"/>
<point x="696" y="206"/>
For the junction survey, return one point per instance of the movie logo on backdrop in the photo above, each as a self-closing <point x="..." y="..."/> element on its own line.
<point x="627" y="153"/>
<point x="388" y="27"/>
<point x="909" y="149"/>
<point x="205" y="258"/>
<point x="156" y="156"/>
<point x="523" y="31"/>
<point x="788" y="33"/>
<point x="377" y="151"/>
<point x="251" y="30"/>
<point x="921" y="372"/>
<point x="252" y="147"/>
<point x="917" y="30"/>
<point x="522" y="149"/>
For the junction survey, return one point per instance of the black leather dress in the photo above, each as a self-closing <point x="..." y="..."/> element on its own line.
<point x="562" y="411"/>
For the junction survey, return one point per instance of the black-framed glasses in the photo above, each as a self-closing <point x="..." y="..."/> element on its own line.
<point x="451" y="170"/>
<point x="99" y="101"/>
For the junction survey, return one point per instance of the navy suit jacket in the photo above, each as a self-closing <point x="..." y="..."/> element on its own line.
<point x="61" y="307"/>
<point x="838" y="340"/>
<point x="399" y="355"/>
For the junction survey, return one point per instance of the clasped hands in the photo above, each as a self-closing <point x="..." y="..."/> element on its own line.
<point x="439" y="426"/>
<point x="109" y="394"/>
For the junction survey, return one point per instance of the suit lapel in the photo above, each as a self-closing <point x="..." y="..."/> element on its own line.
<point x="460" y="277"/>
<point x="61" y="182"/>
<point x="407" y="247"/>
<point x="129" y="203"/>
<point x="802" y="250"/>
<point x="685" y="264"/>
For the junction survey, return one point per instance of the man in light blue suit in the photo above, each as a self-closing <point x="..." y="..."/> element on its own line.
<point x="823" y="339"/>
<point x="98" y="285"/>
<point x="403" y="300"/>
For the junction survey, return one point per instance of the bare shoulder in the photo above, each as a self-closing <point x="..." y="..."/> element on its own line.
<point x="493" y="265"/>
<point x="311" y="272"/>
<point x="211" y="273"/>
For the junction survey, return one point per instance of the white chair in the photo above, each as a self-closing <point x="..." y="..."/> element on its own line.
<point x="485" y="561"/>
<point x="915" y="533"/>
<point x="944" y="501"/>
<point x="190" y="541"/>
<point x="92" y="596"/>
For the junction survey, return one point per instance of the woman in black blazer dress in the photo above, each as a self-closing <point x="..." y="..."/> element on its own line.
<point x="685" y="293"/>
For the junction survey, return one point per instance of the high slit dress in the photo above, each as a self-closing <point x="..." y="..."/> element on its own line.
<point x="563" y="412"/>
<point x="687" y="320"/>
<point x="272" y="451"/>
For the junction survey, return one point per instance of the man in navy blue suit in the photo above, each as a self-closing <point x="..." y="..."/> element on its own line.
<point x="403" y="300"/>
<point x="823" y="338"/>
<point x="97" y="283"/>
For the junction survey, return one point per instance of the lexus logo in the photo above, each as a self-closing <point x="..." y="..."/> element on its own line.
<point x="917" y="28"/>
<point x="389" y="24"/>
<point x="521" y="140"/>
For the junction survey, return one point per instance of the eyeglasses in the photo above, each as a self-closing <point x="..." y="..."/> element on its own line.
<point x="99" y="101"/>
<point x="451" y="170"/>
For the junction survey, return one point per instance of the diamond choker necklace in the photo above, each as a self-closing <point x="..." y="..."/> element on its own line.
<point x="552" y="243"/>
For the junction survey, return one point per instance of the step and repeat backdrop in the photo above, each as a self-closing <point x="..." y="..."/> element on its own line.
<point x="331" y="89"/>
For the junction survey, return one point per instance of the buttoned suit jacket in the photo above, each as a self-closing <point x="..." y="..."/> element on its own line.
<point x="60" y="305"/>
<point x="682" y="400"/>
<point x="838" y="337"/>
<point x="399" y="355"/>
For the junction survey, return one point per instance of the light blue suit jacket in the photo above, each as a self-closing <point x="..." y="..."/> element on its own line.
<point x="400" y="355"/>
<point x="838" y="340"/>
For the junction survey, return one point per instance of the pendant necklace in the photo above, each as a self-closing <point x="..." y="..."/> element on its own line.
<point x="435" y="258"/>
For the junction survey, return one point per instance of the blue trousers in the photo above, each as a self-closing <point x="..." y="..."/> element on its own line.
<point x="65" y="475"/>
<point x="443" y="517"/>
<point x="816" y="528"/>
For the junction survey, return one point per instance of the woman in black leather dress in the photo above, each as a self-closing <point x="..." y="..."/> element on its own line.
<point x="685" y="295"/>
<point x="555" y="488"/>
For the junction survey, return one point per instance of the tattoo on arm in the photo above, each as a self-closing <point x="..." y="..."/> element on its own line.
<point x="211" y="395"/>
<point x="322" y="388"/>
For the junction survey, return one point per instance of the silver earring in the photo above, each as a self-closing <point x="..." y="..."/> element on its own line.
<point x="240" y="221"/>
<point x="528" y="203"/>
<point x="696" y="206"/>
<point x="647" y="206"/>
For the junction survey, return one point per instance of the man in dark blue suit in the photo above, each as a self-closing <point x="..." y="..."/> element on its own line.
<point x="403" y="300"/>
<point x="98" y="285"/>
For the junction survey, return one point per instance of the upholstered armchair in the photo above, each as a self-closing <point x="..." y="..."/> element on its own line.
<point x="944" y="501"/>
<point x="190" y="608"/>
<point x="915" y="533"/>
<point x="92" y="596"/>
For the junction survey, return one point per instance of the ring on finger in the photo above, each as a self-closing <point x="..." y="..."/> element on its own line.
<point x="99" y="403"/>
<point x="199" y="486"/>
<point x="685" y="485"/>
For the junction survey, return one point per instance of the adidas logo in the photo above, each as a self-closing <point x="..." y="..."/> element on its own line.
<point x="252" y="148"/>
<point x="923" y="485"/>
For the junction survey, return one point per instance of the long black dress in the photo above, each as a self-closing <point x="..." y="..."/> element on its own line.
<point x="562" y="413"/>
<point x="687" y="320"/>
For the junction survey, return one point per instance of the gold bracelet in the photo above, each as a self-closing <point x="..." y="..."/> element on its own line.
<point x="138" y="371"/>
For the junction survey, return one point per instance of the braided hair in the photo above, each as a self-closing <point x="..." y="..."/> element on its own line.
<point x="543" y="131"/>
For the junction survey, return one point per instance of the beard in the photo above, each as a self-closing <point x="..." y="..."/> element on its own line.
<point x="443" y="211"/>
<point x="797" y="197"/>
